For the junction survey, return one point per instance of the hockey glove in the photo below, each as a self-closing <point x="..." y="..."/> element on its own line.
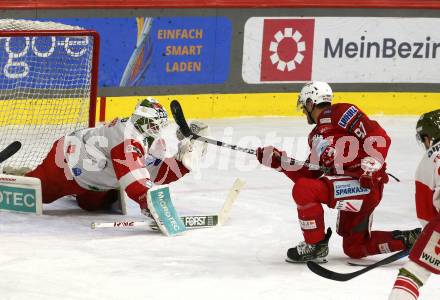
<point x="325" y="151"/>
<point x="270" y="156"/>
<point x="196" y="127"/>
<point x="191" y="152"/>
<point x="327" y="157"/>
<point x="374" y="173"/>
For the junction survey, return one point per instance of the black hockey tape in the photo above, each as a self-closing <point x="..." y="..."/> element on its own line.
<point x="179" y="117"/>
<point x="9" y="151"/>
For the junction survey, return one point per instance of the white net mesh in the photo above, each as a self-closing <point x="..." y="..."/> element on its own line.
<point x="45" y="86"/>
<point x="12" y="24"/>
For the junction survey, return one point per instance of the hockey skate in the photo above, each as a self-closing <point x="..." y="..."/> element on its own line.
<point x="310" y="252"/>
<point x="152" y="222"/>
<point x="408" y="237"/>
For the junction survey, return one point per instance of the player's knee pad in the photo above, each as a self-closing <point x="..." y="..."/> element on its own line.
<point x="354" y="247"/>
<point x="355" y="251"/>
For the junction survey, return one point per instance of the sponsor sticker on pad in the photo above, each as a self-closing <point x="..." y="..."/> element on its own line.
<point x="348" y="188"/>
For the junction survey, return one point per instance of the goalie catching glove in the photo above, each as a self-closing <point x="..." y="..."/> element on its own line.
<point x="190" y="151"/>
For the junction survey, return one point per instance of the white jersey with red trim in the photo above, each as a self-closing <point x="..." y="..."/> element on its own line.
<point x="428" y="185"/>
<point x="113" y="156"/>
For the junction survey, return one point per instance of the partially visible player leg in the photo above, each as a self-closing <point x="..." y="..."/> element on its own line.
<point x="309" y="194"/>
<point x="52" y="173"/>
<point x="358" y="239"/>
<point x="424" y="260"/>
<point x="363" y="243"/>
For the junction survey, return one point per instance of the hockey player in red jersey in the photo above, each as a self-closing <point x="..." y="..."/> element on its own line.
<point x="352" y="149"/>
<point x="424" y="258"/>
<point x="126" y="154"/>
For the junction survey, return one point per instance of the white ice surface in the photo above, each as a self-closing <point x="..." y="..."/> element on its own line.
<point x="58" y="256"/>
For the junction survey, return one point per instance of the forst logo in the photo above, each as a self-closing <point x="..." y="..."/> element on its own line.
<point x="287" y="52"/>
<point x="194" y="221"/>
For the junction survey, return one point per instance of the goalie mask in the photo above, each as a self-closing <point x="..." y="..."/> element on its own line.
<point x="149" y="117"/>
<point x="429" y="126"/>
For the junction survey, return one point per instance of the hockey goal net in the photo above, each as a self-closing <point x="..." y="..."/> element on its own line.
<point x="48" y="85"/>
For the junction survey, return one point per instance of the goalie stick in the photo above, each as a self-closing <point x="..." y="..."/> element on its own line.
<point x="10" y="150"/>
<point x="191" y="222"/>
<point x="326" y="273"/>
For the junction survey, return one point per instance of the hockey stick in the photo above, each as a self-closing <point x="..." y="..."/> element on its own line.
<point x="326" y="273"/>
<point x="191" y="222"/>
<point x="10" y="150"/>
<point x="179" y="117"/>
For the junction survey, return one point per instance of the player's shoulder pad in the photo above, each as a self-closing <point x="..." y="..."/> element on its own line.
<point x="344" y="113"/>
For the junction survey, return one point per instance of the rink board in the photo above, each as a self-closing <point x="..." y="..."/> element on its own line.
<point x="208" y="106"/>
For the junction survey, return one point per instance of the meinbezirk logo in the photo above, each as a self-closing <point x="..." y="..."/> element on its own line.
<point x="287" y="49"/>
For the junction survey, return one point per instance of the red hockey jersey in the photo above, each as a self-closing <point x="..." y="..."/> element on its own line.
<point x="354" y="136"/>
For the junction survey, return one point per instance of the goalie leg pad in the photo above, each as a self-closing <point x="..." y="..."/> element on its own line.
<point x="20" y="194"/>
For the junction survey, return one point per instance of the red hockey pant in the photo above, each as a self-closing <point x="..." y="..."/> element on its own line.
<point x="354" y="226"/>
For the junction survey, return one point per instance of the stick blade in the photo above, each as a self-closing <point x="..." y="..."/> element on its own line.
<point x="9" y="151"/>
<point x="179" y="117"/>
<point x="230" y="199"/>
<point x="323" y="272"/>
<point x="326" y="273"/>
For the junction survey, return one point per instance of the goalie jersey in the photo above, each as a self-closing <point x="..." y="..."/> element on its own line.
<point x="428" y="185"/>
<point x="116" y="155"/>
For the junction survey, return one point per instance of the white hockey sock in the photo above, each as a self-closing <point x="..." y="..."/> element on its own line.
<point x="408" y="282"/>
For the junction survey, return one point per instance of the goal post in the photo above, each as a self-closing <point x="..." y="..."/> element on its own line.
<point x="48" y="85"/>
